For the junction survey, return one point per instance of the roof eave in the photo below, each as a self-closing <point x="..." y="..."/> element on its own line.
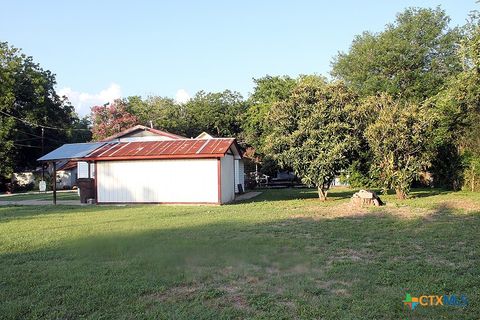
<point x="159" y="157"/>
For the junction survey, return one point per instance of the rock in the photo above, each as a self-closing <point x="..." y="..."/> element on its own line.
<point x="365" y="197"/>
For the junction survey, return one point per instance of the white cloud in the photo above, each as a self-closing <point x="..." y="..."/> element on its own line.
<point x="182" y="96"/>
<point x="83" y="101"/>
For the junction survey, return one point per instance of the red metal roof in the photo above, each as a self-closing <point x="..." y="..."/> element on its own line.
<point x="68" y="165"/>
<point x="168" y="149"/>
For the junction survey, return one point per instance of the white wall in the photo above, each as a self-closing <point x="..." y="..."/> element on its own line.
<point x="228" y="178"/>
<point x="239" y="174"/>
<point x="82" y="170"/>
<point x="181" y="180"/>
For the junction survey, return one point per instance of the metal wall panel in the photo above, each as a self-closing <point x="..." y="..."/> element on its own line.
<point x="228" y="178"/>
<point x="239" y="174"/>
<point x="162" y="181"/>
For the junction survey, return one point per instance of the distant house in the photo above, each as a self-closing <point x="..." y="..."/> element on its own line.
<point x="66" y="174"/>
<point x="145" y="165"/>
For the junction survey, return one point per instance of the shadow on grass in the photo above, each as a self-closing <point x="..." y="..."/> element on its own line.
<point x="334" y="194"/>
<point x="297" y="267"/>
<point x="428" y="192"/>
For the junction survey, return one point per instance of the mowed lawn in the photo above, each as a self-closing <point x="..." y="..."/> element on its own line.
<point x="283" y="255"/>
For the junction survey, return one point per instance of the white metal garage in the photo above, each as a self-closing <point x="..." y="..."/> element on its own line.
<point x="175" y="171"/>
<point x="145" y="165"/>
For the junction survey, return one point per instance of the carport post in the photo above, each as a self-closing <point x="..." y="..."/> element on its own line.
<point x="54" y="186"/>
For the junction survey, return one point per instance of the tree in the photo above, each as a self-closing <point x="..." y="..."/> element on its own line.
<point x="28" y="101"/>
<point x="313" y="132"/>
<point x="401" y="140"/>
<point x="268" y="91"/>
<point x="218" y="113"/>
<point x="172" y="116"/>
<point x="110" y="119"/>
<point x="458" y="105"/>
<point x="411" y="59"/>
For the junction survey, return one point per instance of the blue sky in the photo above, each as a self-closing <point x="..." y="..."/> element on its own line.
<point x="103" y="49"/>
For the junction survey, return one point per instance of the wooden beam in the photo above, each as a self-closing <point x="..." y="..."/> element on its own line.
<point x="54" y="186"/>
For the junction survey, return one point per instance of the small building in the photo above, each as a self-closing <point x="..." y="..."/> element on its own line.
<point x="144" y="165"/>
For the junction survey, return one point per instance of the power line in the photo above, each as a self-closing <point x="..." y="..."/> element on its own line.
<point x="27" y="139"/>
<point x="26" y="145"/>
<point x="39" y="125"/>
<point x="40" y="137"/>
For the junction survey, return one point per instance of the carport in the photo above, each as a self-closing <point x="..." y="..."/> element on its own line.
<point x="73" y="151"/>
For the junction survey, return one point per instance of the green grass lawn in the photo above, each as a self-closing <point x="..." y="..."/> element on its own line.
<point x="283" y="255"/>
<point x="35" y="195"/>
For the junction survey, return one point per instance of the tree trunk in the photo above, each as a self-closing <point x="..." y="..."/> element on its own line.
<point x="322" y="193"/>
<point x="473" y="178"/>
<point x="400" y="194"/>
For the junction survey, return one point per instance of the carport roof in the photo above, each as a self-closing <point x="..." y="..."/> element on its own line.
<point x="71" y="151"/>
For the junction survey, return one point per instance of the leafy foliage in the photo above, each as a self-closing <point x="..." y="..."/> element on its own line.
<point x="458" y="105"/>
<point x="110" y="119"/>
<point x="410" y="59"/>
<point x="268" y="91"/>
<point x="28" y="101"/>
<point x="313" y="133"/>
<point x="401" y="142"/>
<point x="218" y="113"/>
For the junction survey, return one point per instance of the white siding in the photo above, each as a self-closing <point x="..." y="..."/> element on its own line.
<point x="82" y="170"/>
<point x="239" y="174"/>
<point x="180" y="180"/>
<point x="228" y="178"/>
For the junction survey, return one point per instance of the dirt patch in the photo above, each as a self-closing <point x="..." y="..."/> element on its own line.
<point x="336" y="287"/>
<point x="234" y="297"/>
<point x="330" y="212"/>
<point x="350" y="255"/>
<point x="175" y="293"/>
<point x="404" y="212"/>
<point x="463" y="204"/>
<point x="230" y="296"/>
<point x="437" y="261"/>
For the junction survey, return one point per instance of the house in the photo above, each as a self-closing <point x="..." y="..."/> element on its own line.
<point x="145" y="165"/>
<point x="66" y="177"/>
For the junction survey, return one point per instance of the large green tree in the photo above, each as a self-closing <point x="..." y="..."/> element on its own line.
<point x="28" y="101"/>
<point x="459" y="107"/>
<point x="161" y="112"/>
<point x="313" y="131"/>
<point x="401" y="140"/>
<point x="268" y="90"/>
<point x="218" y="113"/>
<point x="411" y="59"/>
